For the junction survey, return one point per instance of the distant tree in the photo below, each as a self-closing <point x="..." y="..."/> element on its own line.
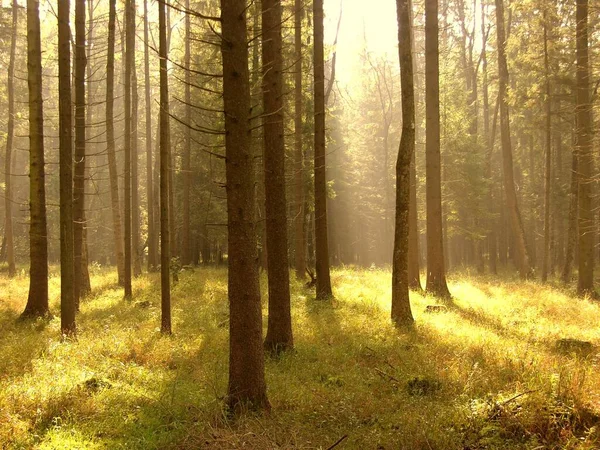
<point x="65" y="133"/>
<point x="516" y="224"/>
<point x="80" y="262"/>
<point x="37" y="301"/>
<point x="436" y="271"/>
<point x="10" y="133"/>
<point x="129" y="62"/>
<point x="135" y="196"/>
<point x="186" y="254"/>
<point x="247" y="386"/>
<point x="323" y="286"/>
<point x="299" y="220"/>
<point x="110" y="143"/>
<point x="279" y="329"/>
<point x="401" y="313"/>
<point x="584" y="141"/>
<point x="165" y="163"/>
<point x="548" y="155"/>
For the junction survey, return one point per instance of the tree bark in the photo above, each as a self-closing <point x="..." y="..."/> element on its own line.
<point x="37" y="301"/>
<point x="548" y="159"/>
<point x="247" y="386"/>
<point x="110" y="144"/>
<point x="10" y="132"/>
<point x="129" y="48"/>
<point x="135" y="199"/>
<point x="65" y="133"/>
<point x="152" y="239"/>
<point x="323" y="287"/>
<point x="587" y="231"/>
<point x="401" y="313"/>
<point x="279" y="329"/>
<point x="436" y="272"/>
<point x="516" y="224"/>
<point x="186" y="257"/>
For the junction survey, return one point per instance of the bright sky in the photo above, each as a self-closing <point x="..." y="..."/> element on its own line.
<point x="373" y="20"/>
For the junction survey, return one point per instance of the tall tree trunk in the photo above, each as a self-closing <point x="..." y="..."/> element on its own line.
<point x="135" y="199"/>
<point x="414" y="270"/>
<point x="165" y="254"/>
<point x="129" y="49"/>
<point x="110" y="143"/>
<point x="8" y="226"/>
<point x="65" y="134"/>
<point x="572" y="226"/>
<point x="587" y="230"/>
<point x="299" y="217"/>
<point x="80" y="153"/>
<point x="322" y="246"/>
<point x="186" y="256"/>
<point x="247" y="386"/>
<point x="279" y="328"/>
<point x="152" y="237"/>
<point x="401" y="313"/>
<point x="37" y="301"/>
<point x="548" y="168"/>
<point x="436" y="272"/>
<point x="516" y="224"/>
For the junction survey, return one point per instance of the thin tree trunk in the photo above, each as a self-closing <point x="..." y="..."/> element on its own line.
<point x="516" y="224"/>
<point x="583" y="147"/>
<point x="436" y="272"/>
<point x="165" y="254"/>
<point x="152" y="240"/>
<point x="80" y="153"/>
<point x="110" y="141"/>
<point x="186" y="257"/>
<point x="37" y="301"/>
<point x="323" y="287"/>
<point x="127" y="212"/>
<point x="8" y="226"/>
<point x="279" y="329"/>
<point x="299" y="219"/>
<point x="548" y="168"/>
<point x="135" y="199"/>
<point x="67" y="300"/>
<point x="247" y="386"/>
<point x="401" y="313"/>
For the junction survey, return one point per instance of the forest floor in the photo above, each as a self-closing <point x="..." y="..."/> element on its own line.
<point x="487" y="370"/>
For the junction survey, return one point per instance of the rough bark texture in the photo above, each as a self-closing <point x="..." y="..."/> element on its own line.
<point x="37" y="301"/>
<point x="129" y="48"/>
<point x="321" y="243"/>
<point x="10" y="133"/>
<point x="516" y="224"/>
<point x="80" y="157"/>
<point x="152" y="238"/>
<point x="279" y="329"/>
<point x="247" y="386"/>
<point x="436" y="271"/>
<point x="110" y="143"/>
<point x="165" y="163"/>
<point x="65" y="135"/>
<point x="299" y="222"/>
<point x="401" y="313"/>
<point x="587" y="231"/>
<point x="186" y="254"/>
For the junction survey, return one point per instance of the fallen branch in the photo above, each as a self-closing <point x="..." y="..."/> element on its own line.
<point x="390" y="377"/>
<point x="338" y="442"/>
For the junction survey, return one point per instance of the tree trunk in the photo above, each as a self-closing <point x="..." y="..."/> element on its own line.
<point x="583" y="147"/>
<point x="67" y="300"/>
<point x="247" y="386"/>
<point x="152" y="238"/>
<point x="401" y="313"/>
<point x="165" y="163"/>
<point x="186" y="257"/>
<point x="37" y="301"/>
<point x="322" y="247"/>
<point x="135" y="199"/>
<point x="299" y="219"/>
<point x="80" y="153"/>
<point x="548" y="168"/>
<point x="110" y="143"/>
<point x="129" y="48"/>
<point x="279" y="329"/>
<point x="516" y="224"/>
<point x="436" y="272"/>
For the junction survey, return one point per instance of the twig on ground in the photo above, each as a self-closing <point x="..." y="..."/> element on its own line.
<point x="338" y="442"/>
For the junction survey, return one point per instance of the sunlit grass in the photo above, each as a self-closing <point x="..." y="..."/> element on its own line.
<point x="485" y="372"/>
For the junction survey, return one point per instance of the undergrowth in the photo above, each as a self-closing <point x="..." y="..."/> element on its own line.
<point x="485" y="371"/>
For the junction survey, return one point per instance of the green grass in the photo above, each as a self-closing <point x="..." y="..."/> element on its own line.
<point x="484" y="373"/>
